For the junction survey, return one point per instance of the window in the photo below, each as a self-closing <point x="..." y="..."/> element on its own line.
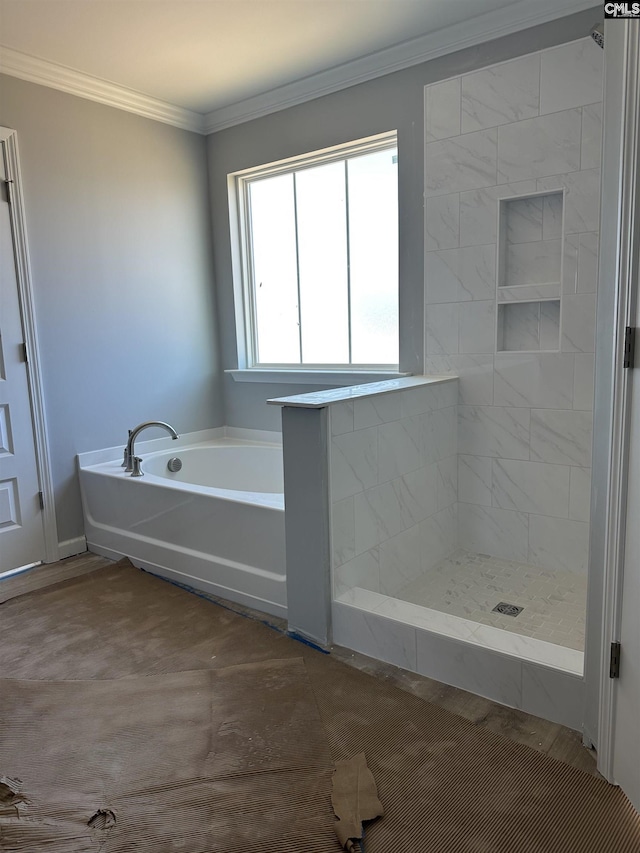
<point x="318" y="256"/>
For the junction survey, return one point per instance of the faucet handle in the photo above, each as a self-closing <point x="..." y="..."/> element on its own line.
<point x="136" y="472"/>
<point x="126" y="462"/>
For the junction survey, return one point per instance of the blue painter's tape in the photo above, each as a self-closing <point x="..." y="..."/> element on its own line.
<point x="300" y="639"/>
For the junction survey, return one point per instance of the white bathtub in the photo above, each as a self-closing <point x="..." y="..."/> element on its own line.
<point x="216" y="525"/>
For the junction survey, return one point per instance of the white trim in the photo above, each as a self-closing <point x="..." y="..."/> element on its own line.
<point x="624" y="284"/>
<point x="71" y="547"/>
<point x="46" y="73"/>
<point x="473" y="31"/>
<point x="9" y="141"/>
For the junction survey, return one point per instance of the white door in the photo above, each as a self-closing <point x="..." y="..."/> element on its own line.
<point x="22" y="539"/>
<point x="627" y="689"/>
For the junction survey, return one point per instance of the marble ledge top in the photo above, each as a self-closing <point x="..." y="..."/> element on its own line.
<point x="320" y="399"/>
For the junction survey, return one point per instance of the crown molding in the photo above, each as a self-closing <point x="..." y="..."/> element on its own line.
<point x="45" y="73"/>
<point x="474" y="31"/>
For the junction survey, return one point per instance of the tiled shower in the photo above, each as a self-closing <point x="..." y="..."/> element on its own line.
<point x="482" y="496"/>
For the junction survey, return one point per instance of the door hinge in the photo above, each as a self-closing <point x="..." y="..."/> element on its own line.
<point x="9" y="190"/>
<point x="41" y="500"/>
<point x="614" y="661"/>
<point x="629" y="357"/>
<point x="24" y="353"/>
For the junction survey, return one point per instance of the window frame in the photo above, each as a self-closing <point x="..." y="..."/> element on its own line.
<point x="242" y="267"/>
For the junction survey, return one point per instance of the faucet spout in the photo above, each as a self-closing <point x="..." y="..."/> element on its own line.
<point x="133" y="434"/>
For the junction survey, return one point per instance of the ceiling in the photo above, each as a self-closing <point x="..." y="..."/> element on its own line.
<point x="204" y="56"/>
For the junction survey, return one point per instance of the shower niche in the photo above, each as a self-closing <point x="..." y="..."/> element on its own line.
<point x="530" y="273"/>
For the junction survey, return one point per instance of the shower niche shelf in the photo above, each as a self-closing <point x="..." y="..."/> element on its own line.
<point x="529" y="273"/>
<point x="529" y="326"/>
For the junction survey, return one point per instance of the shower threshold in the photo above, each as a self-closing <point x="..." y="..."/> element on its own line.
<point x="462" y="630"/>
<point x="457" y="598"/>
<point x="535" y="676"/>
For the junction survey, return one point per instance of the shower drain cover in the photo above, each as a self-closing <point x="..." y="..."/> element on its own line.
<point x="507" y="609"/>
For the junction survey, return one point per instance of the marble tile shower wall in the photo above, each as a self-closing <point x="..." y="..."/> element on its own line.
<point x="394" y="476"/>
<point x="530" y="125"/>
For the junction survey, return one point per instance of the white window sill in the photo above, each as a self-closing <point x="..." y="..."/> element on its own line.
<point x="277" y="376"/>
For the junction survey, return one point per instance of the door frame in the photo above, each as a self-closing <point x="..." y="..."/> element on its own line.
<point x="621" y="228"/>
<point x="9" y="146"/>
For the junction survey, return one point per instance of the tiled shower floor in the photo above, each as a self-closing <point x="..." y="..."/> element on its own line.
<point x="470" y="585"/>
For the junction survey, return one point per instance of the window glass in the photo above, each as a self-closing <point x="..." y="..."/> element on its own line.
<point x="321" y="258"/>
<point x="275" y="277"/>
<point x="322" y="248"/>
<point x="373" y="250"/>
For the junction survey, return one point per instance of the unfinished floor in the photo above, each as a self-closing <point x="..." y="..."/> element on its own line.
<point x="117" y="622"/>
<point x="552" y="739"/>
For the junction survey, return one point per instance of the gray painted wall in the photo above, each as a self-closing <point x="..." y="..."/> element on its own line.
<point x="394" y="101"/>
<point x="119" y="233"/>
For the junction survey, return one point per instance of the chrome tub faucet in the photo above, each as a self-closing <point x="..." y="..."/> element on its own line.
<point x="132" y="462"/>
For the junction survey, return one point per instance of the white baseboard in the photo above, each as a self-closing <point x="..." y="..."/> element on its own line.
<point x="71" y="547"/>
